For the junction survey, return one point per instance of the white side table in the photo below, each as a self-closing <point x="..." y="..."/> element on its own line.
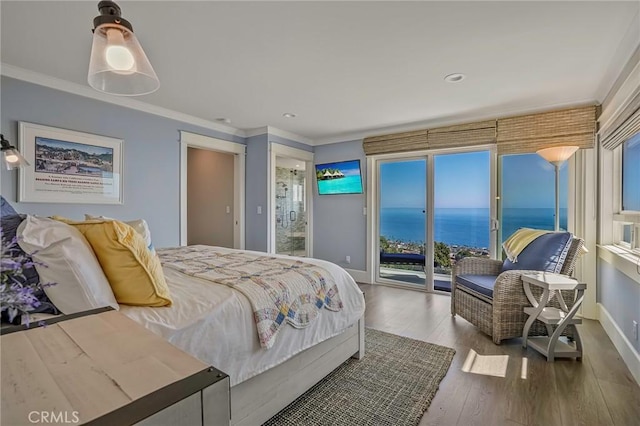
<point x="562" y="317"/>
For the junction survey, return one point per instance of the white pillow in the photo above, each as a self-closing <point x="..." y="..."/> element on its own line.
<point x="139" y="225"/>
<point x="69" y="262"/>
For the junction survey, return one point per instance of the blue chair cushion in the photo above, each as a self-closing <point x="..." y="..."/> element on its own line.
<point x="482" y="284"/>
<point x="546" y="253"/>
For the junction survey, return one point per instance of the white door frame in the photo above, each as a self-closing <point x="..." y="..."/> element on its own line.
<point x="279" y="150"/>
<point x="193" y="140"/>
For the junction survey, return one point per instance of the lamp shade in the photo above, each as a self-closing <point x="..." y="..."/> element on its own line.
<point x="557" y="154"/>
<point x="118" y="64"/>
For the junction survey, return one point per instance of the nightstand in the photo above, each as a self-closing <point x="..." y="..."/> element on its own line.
<point x="555" y="319"/>
<point x="102" y="368"/>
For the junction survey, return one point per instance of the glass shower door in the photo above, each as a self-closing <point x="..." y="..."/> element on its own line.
<point x="290" y="197"/>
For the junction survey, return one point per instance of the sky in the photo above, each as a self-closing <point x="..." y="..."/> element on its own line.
<point x="631" y="174"/>
<point x="349" y="168"/>
<point x="463" y="181"/>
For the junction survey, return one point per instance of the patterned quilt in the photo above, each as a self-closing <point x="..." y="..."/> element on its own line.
<point x="279" y="290"/>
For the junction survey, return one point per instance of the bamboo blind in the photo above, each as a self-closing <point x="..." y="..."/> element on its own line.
<point x="626" y="125"/>
<point x="471" y="134"/>
<point x="529" y="133"/>
<point x="398" y="142"/>
<point x="513" y="135"/>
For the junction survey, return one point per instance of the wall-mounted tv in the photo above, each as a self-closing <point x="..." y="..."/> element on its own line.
<point x="339" y="178"/>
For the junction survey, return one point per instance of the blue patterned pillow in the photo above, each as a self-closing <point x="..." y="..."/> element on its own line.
<point x="5" y="208"/>
<point x="9" y="224"/>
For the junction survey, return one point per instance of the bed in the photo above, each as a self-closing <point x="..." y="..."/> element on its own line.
<point x="213" y="322"/>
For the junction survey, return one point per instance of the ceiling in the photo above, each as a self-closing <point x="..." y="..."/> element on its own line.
<point x="346" y="69"/>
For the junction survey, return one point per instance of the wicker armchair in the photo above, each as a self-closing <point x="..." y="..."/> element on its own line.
<point x="502" y="315"/>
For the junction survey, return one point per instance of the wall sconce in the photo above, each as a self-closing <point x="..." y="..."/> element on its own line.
<point x="118" y="65"/>
<point x="12" y="157"/>
<point x="557" y="155"/>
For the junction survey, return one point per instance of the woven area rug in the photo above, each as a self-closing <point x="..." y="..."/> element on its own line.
<point x="392" y="385"/>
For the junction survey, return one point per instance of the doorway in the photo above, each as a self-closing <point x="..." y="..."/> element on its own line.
<point x="290" y="201"/>
<point x="291" y="211"/>
<point x="209" y="198"/>
<point x="217" y="186"/>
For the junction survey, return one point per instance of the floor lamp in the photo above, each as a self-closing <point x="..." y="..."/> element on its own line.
<point x="556" y="156"/>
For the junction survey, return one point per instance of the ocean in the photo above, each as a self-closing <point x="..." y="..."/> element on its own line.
<point x="350" y="184"/>
<point x="463" y="227"/>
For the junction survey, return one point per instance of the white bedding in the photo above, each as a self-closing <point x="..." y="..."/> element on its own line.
<point x="215" y="323"/>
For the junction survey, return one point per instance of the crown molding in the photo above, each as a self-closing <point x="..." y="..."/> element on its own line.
<point x="279" y="132"/>
<point x="87" y="92"/>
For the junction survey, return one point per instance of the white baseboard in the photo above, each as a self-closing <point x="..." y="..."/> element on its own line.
<point x="620" y="341"/>
<point x="359" y="276"/>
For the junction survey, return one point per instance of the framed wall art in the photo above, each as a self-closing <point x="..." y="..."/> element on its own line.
<point x="69" y="166"/>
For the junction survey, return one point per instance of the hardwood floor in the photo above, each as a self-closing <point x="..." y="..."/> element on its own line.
<point x="597" y="391"/>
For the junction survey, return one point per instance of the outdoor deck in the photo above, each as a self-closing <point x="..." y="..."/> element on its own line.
<point x="417" y="278"/>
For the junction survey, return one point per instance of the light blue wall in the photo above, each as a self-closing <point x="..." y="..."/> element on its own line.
<point x="257" y="181"/>
<point x="339" y="225"/>
<point x="620" y="295"/>
<point x="256" y="192"/>
<point x="151" y="152"/>
<point x="294" y="144"/>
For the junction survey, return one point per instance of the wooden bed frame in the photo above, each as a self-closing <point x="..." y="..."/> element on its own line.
<point x="256" y="400"/>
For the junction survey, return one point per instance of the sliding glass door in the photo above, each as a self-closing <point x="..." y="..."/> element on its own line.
<point x="433" y="211"/>
<point x="462" y="201"/>
<point x="402" y="220"/>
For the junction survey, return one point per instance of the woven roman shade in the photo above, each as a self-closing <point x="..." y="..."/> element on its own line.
<point x="529" y="133"/>
<point x="624" y="126"/>
<point x="471" y="134"/>
<point x="513" y="135"/>
<point x="398" y="142"/>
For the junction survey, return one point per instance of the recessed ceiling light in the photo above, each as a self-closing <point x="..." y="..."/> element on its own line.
<point x="454" y="78"/>
<point x="224" y="120"/>
<point x="289" y="115"/>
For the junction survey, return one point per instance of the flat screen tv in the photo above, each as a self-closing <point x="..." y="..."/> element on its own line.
<point x="339" y="178"/>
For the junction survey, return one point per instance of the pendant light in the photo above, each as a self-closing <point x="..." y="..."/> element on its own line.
<point x="118" y="65"/>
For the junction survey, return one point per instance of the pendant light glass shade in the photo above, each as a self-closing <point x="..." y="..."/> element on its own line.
<point x="118" y="65"/>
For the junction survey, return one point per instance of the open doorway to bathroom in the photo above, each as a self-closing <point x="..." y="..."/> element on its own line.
<point x="291" y="212"/>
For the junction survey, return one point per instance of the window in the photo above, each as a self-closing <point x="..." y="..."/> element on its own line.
<point x="631" y="174"/>
<point x="627" y="220"/>
<point x="527" y="191"/>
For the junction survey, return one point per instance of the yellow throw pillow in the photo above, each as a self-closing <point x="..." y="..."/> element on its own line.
<point x="135" y="275"/>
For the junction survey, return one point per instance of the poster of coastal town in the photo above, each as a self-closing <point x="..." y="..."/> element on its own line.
<point x="70" y="158"/>
<point x="70" y="166"/>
